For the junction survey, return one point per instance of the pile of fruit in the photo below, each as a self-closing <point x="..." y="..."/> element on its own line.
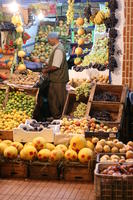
<point x="39" y="149"/>
<point x="118" y="170"/>
<point x="101" y="115"/>
<point x="128" y="157"/>
<point x="83" y="89"/>
<point x="11" y="120"/>
<point x="2" y="97"/>
<point x="62" y="29"/>
<point x="74" y="126"/>
<point x="100" y="28"/>
<point x="70" y="12"/>
<point x="113" y="146"/>
<point x="86" y="38"/>
<point x="94" y="126"/>
<point x="99" y="53"/>
<point x="106" y="96"/>
<point x="27" y="78"/>
<point x="100" y="79"/>
<point x="21" y="102"/>
<point x="80" y="110"/>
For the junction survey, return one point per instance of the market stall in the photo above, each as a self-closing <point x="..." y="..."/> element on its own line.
<point x="89" y="142"/>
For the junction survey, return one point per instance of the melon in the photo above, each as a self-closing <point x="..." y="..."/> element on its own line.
<point x="28" y="153"/>
<point x="18" y="146"/>
<point x="39" y="143"/>
<point x="50" y="146"/>
<point x="56" y="155"/>
<point x="43" y="155"/>
<point x="80" y="21"/>
<point x="8" y="142"/>
<point x="85" y="155"/>
<point x="81" y="31"/>
<point x="3" y="146"/>
<point x="28" y="144"/>
<point x="78" y="142"/>
<point x="62" y="147"/>
<point x="71" y="155"/>
<point x="11" y="152"/>
<point x="78" y="51"/>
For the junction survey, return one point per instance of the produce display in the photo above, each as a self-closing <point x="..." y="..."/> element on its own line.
<point x="106" y="96"/>
<point x="21" y="102"/>
<point x="87" y="38"/>
<point x="11" y="120"/>
<point x="83" y="89"/>
<point x="100" y="28"/>
<point x="94" y="126"/>
<point x="80" y="110"/>
<point x="27" y="78"/>
<point x="100" y="16"/>
<point x="113" y="146"/>
<point x="2" y="97"/>
<point x="70" y="11"/>
<point x="117" y="158"/>
<point x="63" y="29"/>
<point x="39" y="149"/>
<point x="118" y="170"/>
<point x="74" y="126"/>
<point x="101" y="115"/>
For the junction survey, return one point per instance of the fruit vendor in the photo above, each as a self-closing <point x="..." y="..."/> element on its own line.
<point x="57" y="69"/>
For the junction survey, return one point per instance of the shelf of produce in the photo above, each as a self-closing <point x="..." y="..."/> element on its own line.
<point x="71" y="104"/>
<point x="20" y="135"/>
<point x="13" y="169"/>
<point x="112" y="186"/>
<point x="119" y="92"/>
<point x="99" y="156"/>
<point x="45" y="170"/>
<point x="75" y="171"/>
<point x="114" y="112"/>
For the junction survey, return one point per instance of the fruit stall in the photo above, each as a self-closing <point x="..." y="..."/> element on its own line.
<point x="90" y="142"/>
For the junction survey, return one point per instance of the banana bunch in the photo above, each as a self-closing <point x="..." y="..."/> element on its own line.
<point x="100" y="16"/>
<point x="70" y="11"/>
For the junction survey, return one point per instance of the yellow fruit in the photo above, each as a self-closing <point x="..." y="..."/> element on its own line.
<point x="8" y="142"/>
<point x="80" y="21"/>
<point x="81" y="31"/>
<point x="71" y="155"/>
<point x="43" y="155"/>
<point x="85" y="155"/>
<point x="28" y="144"/>
<point x="129" y="154"/>
<point x="3" y="146"/>
<point x="39" y="143"/>
<point x="95" y="140"/>
<point x="19" y="29"/>
<point x="28" y="153"/>
<point x="21" y="67"/>
<point x="77" y="61"/>
<point x="16" y="20"/>
<point x="21" y="54"/>
<point x="90" y="145"/>
<point x="56" y="155"/>
<point x="19" y="41"/>
<point x="98" y="148"/>
<point x="0" y="140"/>
<point x="61" y="147"/>
<point x="81" y="41"/>
<point x="50" y="146"/>
<point x="106" y="149"/>
<point x="18" y="146"/>
<point x="78" y="142"/>
<point x="11" y="152"/>
<point x="78" y="51"/>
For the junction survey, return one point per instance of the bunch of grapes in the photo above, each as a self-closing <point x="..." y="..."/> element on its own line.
<point x="113" y="5"/>
<point x="80" y="110"/>
<point x="87" y="12"/>
<point x="111" y="21"/>
<point x="112" y="63"/>
<point x="113" y="33"/>
<point x="83" y="89"/>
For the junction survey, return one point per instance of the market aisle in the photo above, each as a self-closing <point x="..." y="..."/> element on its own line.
<point x="44" y="190"/>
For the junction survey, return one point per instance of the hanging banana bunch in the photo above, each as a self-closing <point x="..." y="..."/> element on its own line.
<point x="70" y="11"/>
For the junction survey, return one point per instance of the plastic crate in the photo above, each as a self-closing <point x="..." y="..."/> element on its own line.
<point x="109" y="187"/>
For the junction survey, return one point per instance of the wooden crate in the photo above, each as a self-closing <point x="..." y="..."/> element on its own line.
<point x="13" y="169"/>
<point x="119" y="90"/>
<point x="19" y="135"/>
<point x="6" y="135"/>
<point x="45" y="170"/>
<point x="109" y="187"/>
<point x="71" y="104"/>
<point x="75" y="171"/>
<point x="116" y="111"/>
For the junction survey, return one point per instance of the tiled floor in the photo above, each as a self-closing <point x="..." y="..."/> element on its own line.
<point x="45" y="190"/>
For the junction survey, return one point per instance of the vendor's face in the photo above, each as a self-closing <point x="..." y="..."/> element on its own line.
<point x="51" y="41"/>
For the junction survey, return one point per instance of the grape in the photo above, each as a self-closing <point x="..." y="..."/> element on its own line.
<point x="83" y="89"/>
<point x="80" y="110"/>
